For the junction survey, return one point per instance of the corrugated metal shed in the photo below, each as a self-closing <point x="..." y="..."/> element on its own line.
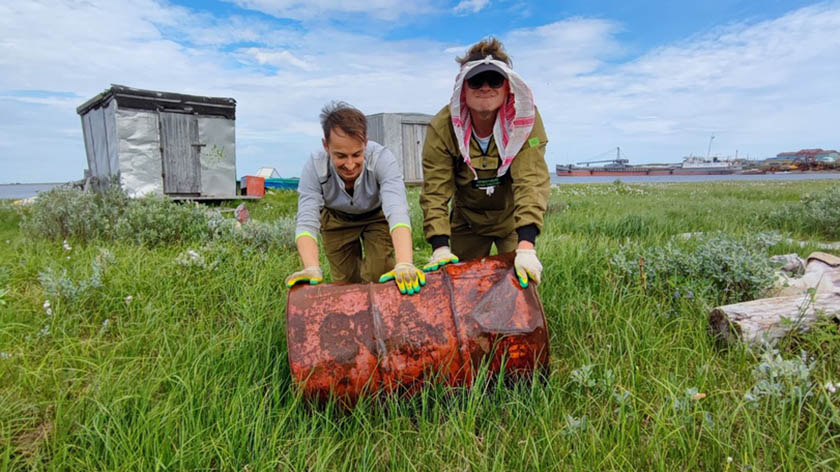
<point x="160" y="142"/>
<point x="403" y="134"/>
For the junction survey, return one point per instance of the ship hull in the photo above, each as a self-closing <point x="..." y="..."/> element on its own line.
<point x="610" y="173"/>
<point x="564" y="171"/>
<point x="704" y="171"/>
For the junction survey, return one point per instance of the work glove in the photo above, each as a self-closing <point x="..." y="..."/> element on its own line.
<point x="440" y="257"/>
<point x="527" y="266"/>
<point x="311" y="274"/>
<point x="409" y="279"/>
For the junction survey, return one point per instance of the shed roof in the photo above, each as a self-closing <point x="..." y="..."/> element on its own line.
<point x="421" y="118"/>
<point x="140" y="99"/>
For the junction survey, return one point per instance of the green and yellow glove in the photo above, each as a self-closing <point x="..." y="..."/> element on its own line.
<point x="409" y="278"/>
<point x="527" y="266"/>
<point x="440" y="257"/>
<point x="312" y="275"/>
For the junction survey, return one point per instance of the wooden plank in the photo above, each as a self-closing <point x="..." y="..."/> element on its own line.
<point x="376" y="129"/>
<point x="420" y="139"/>
<point x="413" y="135"/>
<point x="406" y="152"/>
<point x="90" y="150"/>
<point x="180" y="150"/>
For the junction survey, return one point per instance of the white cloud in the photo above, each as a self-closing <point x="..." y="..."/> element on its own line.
<point x="471" y="6"/>
<point x="314" y="9"/>
<point x="278" y="58"/>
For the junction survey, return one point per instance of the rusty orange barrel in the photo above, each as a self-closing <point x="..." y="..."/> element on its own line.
<point x="354" y="338"/>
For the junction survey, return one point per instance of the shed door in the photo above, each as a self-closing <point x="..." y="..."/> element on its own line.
<point x="413" y="136"/>
<point x="180" y="150"/>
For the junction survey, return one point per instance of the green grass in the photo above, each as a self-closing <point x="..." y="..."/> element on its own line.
<point x="171" y="367"/>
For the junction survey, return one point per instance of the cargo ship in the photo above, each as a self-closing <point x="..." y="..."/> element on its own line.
<point x="694" y="165"/>
<point x="691" y="165"/>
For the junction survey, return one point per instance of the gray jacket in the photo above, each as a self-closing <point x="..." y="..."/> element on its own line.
<point x="379" y="184"/>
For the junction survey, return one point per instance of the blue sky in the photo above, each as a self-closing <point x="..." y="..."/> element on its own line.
<point x="657" y="78"/>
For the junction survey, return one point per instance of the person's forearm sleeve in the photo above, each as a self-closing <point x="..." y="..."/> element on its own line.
<point x="438" y="186"/>
<point x="310" y="202"/>
<point x="392" y="190"/>
<point x="528" y="233"/>
<point x="531" y="180"/>
<point x="439" y="241"/>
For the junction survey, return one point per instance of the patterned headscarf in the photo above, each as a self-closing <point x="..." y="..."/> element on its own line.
<point x="514" y="120"/>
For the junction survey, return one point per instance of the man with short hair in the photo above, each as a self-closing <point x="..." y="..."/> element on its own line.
<point x="485" y="152"/>
<point x="352" y="191"/>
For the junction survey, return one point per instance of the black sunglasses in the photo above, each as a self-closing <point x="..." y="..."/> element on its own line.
<point x="493" y="79"/>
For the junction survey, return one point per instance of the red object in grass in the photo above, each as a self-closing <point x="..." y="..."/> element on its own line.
<point x="352" y="339"/>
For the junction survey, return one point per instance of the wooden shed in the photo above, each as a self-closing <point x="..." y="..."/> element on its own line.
<point x="161" y="143"/>
<point x="403" y="134"/>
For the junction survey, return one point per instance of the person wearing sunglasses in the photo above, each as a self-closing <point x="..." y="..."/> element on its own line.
<point x="352" y="193"/>
<point x="485" y="153"/>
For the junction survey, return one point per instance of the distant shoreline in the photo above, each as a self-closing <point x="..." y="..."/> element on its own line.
<point x="18" y="191"/>
<point x="35" y="183"/>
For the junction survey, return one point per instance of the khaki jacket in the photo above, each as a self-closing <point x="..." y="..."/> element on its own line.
<point x="519" y="200"/>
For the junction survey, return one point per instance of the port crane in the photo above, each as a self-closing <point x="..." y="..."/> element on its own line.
<point x="618" y="160"/>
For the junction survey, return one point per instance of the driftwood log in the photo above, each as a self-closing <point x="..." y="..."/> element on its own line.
<point x="796" y="303"/>
<point x="769" y="319"/>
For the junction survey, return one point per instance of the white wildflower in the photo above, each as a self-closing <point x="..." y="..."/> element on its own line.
<point x="46" y="304"/>
<point x="48" y="308"/>
<point x="5" y="355"/>
<point x="832" y="387"/>
<point x="191" y="258"/>
<point x="105" y="323"/>
<point x="45" y="331"/>
<point x="66" y="245"/>
<point x="729" y="459"/>
<point x="128" y="299"/>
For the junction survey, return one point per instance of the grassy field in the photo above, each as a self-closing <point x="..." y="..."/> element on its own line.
<point x="120" y="349"/>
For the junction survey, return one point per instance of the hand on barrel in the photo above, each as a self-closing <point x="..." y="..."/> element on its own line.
<point x="311" y="275"/>
<point x="409" y="278"/>
<point x="440" y="257"/>
<point x="527" y="266"/>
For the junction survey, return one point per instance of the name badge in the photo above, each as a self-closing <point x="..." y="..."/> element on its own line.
<point x="485" y="183"/>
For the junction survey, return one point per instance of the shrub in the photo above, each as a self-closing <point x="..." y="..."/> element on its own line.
<point x="737" y="269"/>
<point x="816" y="213"/>
<point x="784" y="380"/>
<point x="68" y="213"/>
<point x="60" y="285"/>
<point x="279" y="234"/>
<point x="154" y="220"/>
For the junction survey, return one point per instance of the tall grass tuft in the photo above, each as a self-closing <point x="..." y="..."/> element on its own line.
<point x="817" y="212"/>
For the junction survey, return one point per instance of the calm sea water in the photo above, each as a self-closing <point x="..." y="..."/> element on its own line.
<point x="18" y="191"/>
